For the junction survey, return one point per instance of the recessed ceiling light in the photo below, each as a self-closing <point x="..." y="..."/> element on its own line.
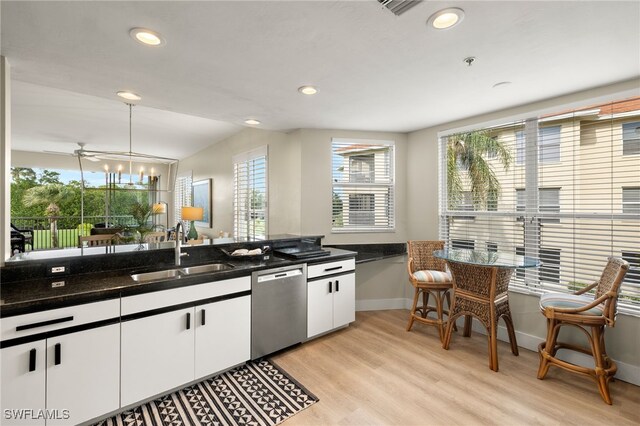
<point x="446" y="18"/>
<point x="501" y="84"/>
<point x="307" y="90"/>
<point x="130" y="96"/>
<point x="252" y="121"/>
<point x="146" y="36"/>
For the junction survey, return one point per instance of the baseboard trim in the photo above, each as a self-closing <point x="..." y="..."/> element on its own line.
<point x="626" y="372"/>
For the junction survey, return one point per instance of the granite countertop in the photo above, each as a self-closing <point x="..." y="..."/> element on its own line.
<point x="374" y="251"/>
<point x="34" y="295"/>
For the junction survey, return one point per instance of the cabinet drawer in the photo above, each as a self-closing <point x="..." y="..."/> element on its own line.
<point x="55" y="319"/>
<point x="177" y="296"/>
<point x="330" y="268"/>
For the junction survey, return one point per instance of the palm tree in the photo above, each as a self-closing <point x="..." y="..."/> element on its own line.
<point x="50" y="195"/>
<point x="468" y="152"/>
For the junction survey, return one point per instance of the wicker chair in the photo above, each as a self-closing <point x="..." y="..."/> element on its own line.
<point x="428" y="276"/>
<point x="584" y="312"/>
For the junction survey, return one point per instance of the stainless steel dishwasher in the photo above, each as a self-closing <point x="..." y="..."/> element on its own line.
<point x="278" y="309"/>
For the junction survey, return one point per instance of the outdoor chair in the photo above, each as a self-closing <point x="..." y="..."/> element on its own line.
<point x="98" y="240"/>
<point x="590" y="314"/>
<point x="429" y="276"/>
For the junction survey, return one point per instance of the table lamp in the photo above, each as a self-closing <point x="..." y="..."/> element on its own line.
<point x="192" y="214"/>
<point x="160" y="208"/>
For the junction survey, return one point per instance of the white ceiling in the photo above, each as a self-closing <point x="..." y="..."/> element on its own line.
<point x="225" y="61"/>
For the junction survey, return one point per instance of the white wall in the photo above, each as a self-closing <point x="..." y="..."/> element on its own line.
<point x="317" y="186"/>
<point x="5" y="162"/>
<point x="623" y="342"/>
<point x="216" y="162"/>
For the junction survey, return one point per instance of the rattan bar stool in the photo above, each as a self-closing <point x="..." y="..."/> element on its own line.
<point x="587" y="313"/>
<point x="429" y="277"/>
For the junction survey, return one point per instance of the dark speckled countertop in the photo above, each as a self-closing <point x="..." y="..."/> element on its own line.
<point x="20" y="297"/>
<point x="373" y="251"/>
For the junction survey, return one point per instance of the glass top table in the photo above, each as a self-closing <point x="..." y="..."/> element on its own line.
<point x="495" y="259"/>
<point x="480" y="289"/>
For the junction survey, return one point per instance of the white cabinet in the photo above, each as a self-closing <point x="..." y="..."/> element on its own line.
<point x="67" y="378"/>
<point x="157" y="354"/>
<point x="162" y="351"/>
<point x="23" y="382"/>
<point x="330" y="298"/>
<point x="223" y="335"/>
<point x="83" y="372"/>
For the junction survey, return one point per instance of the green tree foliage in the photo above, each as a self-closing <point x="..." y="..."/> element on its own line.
<point x="49" y="195"/>
<point x="468" y="152"/>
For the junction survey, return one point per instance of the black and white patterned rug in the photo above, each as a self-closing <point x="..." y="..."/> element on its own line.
<point x="257" y="393"/>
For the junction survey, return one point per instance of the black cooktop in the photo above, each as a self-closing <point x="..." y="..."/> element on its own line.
<point x="301" y="253"/>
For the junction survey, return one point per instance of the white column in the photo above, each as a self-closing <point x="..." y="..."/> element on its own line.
<point x="5" y="161"/>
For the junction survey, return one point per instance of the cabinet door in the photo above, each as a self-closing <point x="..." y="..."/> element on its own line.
<point x="23" y="380"/>
<point x="223" y="335"/>
<point x="319" y="306"/>
<point x="157" y="354"/>
<point x="344" y="300"/>
<point x="83" y="372"/>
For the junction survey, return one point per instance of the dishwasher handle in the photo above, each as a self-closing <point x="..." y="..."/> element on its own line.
<point x="279" y="275"/>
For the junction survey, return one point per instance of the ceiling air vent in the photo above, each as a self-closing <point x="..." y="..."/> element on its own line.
<point x="398" y="7"/>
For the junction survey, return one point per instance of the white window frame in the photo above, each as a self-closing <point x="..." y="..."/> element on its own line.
<point x="182" y="194"/>
<point x="631" y="206"/>
<point x="242" y="217"/>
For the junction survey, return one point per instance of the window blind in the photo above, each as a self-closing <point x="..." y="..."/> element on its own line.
<point x="182" y="195"/>
<point x="568" y="193"/>
<point x="363" y="185"/>
<point x="250" y="194"/>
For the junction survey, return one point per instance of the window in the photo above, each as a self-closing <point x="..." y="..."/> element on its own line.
<point x="631" y="200"/>
<point x="463" y="244"/>
<point x="549" y="269"/>
<point x="591" y="197"/>
<point x="633" y="274"/>
<point x="492" y="247"/>
<point x="362" y="168"/>
<point x="548" y="202"/>
<point x="363" y="185"/>
<point x="520" y="148"/>
<point x="549" y="145"/>
<point x="631" y="138"/>
<point x="250" y="218"/>
<point x="182" y="195"/>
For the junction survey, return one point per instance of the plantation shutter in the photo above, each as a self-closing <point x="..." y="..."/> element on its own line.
<point x="570" y="197"/>
<point x="250" y="194"/>
<point x="182" y="195"/>
<point x="363" y="198"/>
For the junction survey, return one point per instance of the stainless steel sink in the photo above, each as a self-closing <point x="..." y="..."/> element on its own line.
<point x="203" y="269"/>
<point x="155" y="276"/>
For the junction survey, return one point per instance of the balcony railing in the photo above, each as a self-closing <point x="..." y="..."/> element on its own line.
<point x="37" y="230"/>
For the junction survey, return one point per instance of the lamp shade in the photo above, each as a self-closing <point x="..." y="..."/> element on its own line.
<point x="159" y="208"/>
<point x="192" y="213"/>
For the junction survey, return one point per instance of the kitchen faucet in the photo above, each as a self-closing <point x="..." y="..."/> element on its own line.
<point x="179" y="238"/>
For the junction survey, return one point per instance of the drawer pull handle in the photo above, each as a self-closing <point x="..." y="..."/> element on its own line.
<point x="57" y="354"/>
<point x="337" y="285"/>
<point x="203" y="318"/>
<point x="330" y="289"/>
<point x="43" y="323"/>
<point x="335" y="268"/>
<point x="32" y="360"/>
<point x="188" y="320"/>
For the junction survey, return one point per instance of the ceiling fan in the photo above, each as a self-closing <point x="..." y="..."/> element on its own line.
<point x="80" y="152"/>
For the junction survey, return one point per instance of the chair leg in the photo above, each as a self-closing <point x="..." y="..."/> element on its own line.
<point x="416" y="295"/>
<point x="548" y="345"/>
<point x="439" y="312"/>
<point x="512" y="334"/>
<point x="425" y="303"/>
<point x="448" y="296"/>
<point x="601" y="374"/>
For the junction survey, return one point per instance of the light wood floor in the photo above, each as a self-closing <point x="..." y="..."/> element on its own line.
<point x="374" y="372"/>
